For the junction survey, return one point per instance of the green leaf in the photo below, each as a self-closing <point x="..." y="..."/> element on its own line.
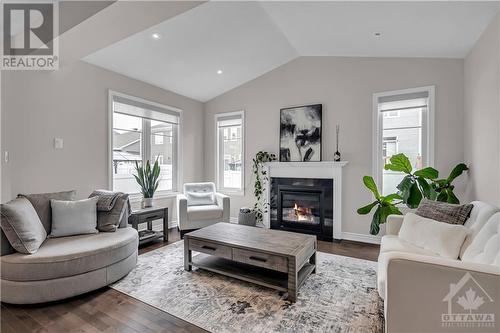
<point x="457" y="171"/>
<point x="404" y="187"/>
<point x="366" y="209"/>
<point x="415" y="196"/>
<point x="452" y="197"/>
<point x="395" y="210"/>
<point x="400" y="163"/>
<point x="370" y="184"/>
<point x="424" y="187"/>
<point x="375" y="225"/>
<point x="391" y="197"/>
<point x="428" y="173"/>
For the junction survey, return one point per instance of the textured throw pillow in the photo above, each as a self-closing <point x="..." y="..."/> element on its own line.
<point x="444" y="212"/>
<point x="441" y="238"/>
<point x="73" y="217"/>
<point x="22" y="226"/>
<point x="41" y="203"/>
<point x="200" y="198"/>
<point x="110" y="221"/>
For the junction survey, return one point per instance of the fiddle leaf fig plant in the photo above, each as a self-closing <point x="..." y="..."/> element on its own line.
<point x="443" y="188"/>
<point x="261" y="177"/>
<point x="415" y="185"/>
<point x="386" y="205"/>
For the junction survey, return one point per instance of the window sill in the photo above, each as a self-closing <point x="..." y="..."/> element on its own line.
<point x="237" y="193"/>
<point x="137" y="197"/>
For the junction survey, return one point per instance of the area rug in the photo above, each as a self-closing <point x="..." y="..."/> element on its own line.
<point x="340" y="297"/>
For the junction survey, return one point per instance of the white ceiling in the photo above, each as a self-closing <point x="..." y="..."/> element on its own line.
<point x="248" y="39"/>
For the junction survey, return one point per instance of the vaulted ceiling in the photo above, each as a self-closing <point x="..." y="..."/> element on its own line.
<point x="217" y="46"/>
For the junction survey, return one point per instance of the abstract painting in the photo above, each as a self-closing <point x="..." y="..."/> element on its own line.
<point x="300" y="134"/>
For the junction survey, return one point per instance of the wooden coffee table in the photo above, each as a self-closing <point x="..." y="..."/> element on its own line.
<point x="276" y="259"/>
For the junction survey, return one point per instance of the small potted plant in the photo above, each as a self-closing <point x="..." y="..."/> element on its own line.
<point x="148" y="180"/>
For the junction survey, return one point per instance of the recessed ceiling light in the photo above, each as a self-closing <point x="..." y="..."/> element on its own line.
<point x="377" y="34"/>
<point x="156" y="35"/>
<point x="219" y="71"/>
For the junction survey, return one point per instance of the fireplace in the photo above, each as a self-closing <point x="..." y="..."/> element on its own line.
<point x="302" y="205"/>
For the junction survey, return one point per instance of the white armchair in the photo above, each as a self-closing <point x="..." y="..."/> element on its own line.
<point x="200" y="206"/>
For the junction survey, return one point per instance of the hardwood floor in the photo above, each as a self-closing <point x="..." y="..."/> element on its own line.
<point x="107" y="310"/>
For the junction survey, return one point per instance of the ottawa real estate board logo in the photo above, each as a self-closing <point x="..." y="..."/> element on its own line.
<point x="469" y="305"/>
<point x="30" y="32"/>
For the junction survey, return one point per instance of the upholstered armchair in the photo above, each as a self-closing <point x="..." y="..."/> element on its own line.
<point x="200" y="206"/>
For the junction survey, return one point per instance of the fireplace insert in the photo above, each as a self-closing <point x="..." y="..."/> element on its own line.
<point x="302" y="205"/>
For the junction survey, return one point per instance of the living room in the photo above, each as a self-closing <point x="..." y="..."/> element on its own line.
<point x="250" y="166"/>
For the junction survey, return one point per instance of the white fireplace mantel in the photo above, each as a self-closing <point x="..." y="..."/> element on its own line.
<point x="322" y="170"/>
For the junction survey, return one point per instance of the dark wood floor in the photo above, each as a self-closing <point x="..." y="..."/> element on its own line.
<point x="107" y="310"/>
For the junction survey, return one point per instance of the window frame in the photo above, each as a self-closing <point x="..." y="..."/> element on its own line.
<point x="220" y="188"/>
<point x="178" y="170"/>
<point x="428" y="128"/>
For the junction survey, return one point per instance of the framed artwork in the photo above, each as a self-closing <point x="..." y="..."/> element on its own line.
<point x="300" y="134"/>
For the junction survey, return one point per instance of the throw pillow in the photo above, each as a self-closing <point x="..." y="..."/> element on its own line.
<point x="441" y="238"/>
<point x="41" y="203"/>
<point x="22" y="226"/>
<point x="444" y="212"/>
<point x="200" y="198"/>
<point x="110" y="221"/>
<point x="71" y="218"/>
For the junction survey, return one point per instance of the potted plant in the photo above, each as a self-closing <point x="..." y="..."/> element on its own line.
<point x="148" y="179"/>
<point x="423" y="183"/>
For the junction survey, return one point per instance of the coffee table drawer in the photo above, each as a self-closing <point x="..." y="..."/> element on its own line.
<point x="260" y="259"/>
<point x="210" y="248"/>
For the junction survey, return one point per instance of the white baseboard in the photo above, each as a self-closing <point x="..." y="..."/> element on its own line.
<point x="363" y="238"/>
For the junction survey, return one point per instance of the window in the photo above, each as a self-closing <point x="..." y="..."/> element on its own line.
<point x="141" y="131"/>
<point x="230" y="152"/>
<point x="403" y="123"/>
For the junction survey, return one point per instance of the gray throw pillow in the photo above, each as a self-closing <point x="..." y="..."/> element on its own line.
<point x="110" y="221"/>
<point x="22" y="226"/>
<point x="41" y="203"/>
<point x="444" y="212"/>
<point x="71" y="218"/>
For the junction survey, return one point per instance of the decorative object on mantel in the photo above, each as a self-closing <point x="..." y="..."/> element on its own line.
<point x="261" y="178"/>
<point x="423" y="183"/>
<point x="247" y="217"/>
<point x="148" y="180"/>
<point x="336" y="155"/>
<point x="300" y="134"/>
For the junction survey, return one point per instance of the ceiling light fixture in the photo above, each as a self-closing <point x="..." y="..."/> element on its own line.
<point x="156" y="36"/>
<point x="219" y="71"/>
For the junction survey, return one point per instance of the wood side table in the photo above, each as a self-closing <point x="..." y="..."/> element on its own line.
<point x="148" y="215"/>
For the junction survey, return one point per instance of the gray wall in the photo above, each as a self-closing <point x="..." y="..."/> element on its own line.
<point x="344" y="86"/>
<point x="72" y="103"/>
<point x="482" y="115"/>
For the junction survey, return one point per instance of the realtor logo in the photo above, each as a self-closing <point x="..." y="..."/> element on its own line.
<point x="30" y="36"/>
<point x="468" y="305"/>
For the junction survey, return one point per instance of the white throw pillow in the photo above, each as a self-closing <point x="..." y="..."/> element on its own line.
<point x="73" y="217"/>
<point x="441" y="238"/>
<point x="200" y="198"/>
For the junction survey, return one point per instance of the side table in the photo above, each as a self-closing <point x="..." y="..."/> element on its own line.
<point x="148" y="215"/>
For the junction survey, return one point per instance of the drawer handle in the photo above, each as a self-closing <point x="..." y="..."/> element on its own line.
<point x="257" y="259"/>
<point x="209" y="248"/>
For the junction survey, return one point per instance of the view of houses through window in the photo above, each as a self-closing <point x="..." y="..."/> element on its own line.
<point x="137" y="138"/>
<point x="404" y="128"/>
<point x="230" y="151"/>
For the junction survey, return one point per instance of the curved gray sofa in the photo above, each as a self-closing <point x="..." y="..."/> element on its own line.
<point x="67" y="266"/>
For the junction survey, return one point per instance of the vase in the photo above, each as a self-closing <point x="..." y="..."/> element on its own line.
<point x="147" y="202"/>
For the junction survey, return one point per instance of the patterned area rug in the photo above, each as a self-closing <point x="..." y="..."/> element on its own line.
<point x="340" y="297"/>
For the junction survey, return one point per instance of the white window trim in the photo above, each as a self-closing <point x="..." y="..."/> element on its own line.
<point x="158" y="194"/>
<point x="428" y="125"/>
<point x="229" y="191"/>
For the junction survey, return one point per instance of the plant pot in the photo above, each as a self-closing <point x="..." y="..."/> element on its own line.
<point x="147" y="202"/>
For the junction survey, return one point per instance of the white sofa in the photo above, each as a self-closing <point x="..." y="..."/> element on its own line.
<point x="421" y="289"/>
<point x="191" y="217"/>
